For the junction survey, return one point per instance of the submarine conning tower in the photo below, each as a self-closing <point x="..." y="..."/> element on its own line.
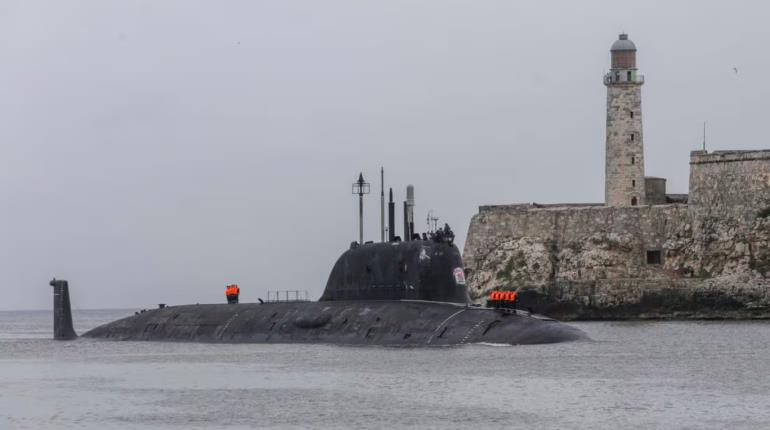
<point x="414" y="270"/>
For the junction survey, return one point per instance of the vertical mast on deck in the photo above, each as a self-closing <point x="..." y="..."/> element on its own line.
<point x="382" y="204"/>
<point x="360" y="187"/>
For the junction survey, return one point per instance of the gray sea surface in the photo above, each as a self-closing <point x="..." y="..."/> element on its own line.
<point x="641" y="375"/>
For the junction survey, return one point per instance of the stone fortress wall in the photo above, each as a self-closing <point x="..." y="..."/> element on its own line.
<point x="642" y="253"/>
<point x="729" y="183"/>
<point x="705" y="259"/>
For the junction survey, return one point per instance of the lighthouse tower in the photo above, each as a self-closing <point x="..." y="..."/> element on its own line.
<point x="624" y="165"/>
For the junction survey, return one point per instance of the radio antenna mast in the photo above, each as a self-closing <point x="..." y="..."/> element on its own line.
<point x="432" y="222"/>
<point x="382" y="204"/>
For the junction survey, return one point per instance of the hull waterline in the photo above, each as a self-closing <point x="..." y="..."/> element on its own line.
<point x="386" y="322"/>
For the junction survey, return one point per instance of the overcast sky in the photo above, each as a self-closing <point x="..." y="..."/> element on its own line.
<point x="155" y="151"/>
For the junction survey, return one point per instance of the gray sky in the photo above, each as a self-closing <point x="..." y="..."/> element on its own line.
<point x="154" y="151"/>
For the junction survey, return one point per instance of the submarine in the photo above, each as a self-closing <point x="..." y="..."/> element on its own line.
<point x="391" y="293"/>
<point x="410" y="293"/>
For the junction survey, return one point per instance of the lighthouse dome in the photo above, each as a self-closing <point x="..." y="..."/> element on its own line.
<point x="623" y="44"/>
<point x="623" y="53"/>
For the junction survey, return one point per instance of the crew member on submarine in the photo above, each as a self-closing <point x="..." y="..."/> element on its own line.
<point x="232" y="292"/>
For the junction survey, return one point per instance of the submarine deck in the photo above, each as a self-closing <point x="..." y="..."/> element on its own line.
<point x="383" y="322"/>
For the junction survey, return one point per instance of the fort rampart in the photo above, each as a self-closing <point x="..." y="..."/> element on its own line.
<point x="708" y="258"/>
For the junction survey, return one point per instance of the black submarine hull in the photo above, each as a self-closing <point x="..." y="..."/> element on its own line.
<point x="386" y="322"/>
<point x="397" y="293"/>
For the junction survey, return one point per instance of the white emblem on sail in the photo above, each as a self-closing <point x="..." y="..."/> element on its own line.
<point x="459" y="275"/>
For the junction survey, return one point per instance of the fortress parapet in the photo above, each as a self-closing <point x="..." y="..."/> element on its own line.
<point x="523" y="207"/>
<point x="733" y="184"/>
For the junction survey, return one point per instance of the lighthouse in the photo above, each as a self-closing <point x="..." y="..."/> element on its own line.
<point x="624" y="164"/>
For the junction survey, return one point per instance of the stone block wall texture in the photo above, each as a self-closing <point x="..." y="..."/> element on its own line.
<point x="624" y="162"/>
<point x="729" y="183"/>
<point x="655" y="190"/>
<point x="591" y="261"/>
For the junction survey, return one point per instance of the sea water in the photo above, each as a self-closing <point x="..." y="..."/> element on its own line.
<point x="640" y="375"/>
